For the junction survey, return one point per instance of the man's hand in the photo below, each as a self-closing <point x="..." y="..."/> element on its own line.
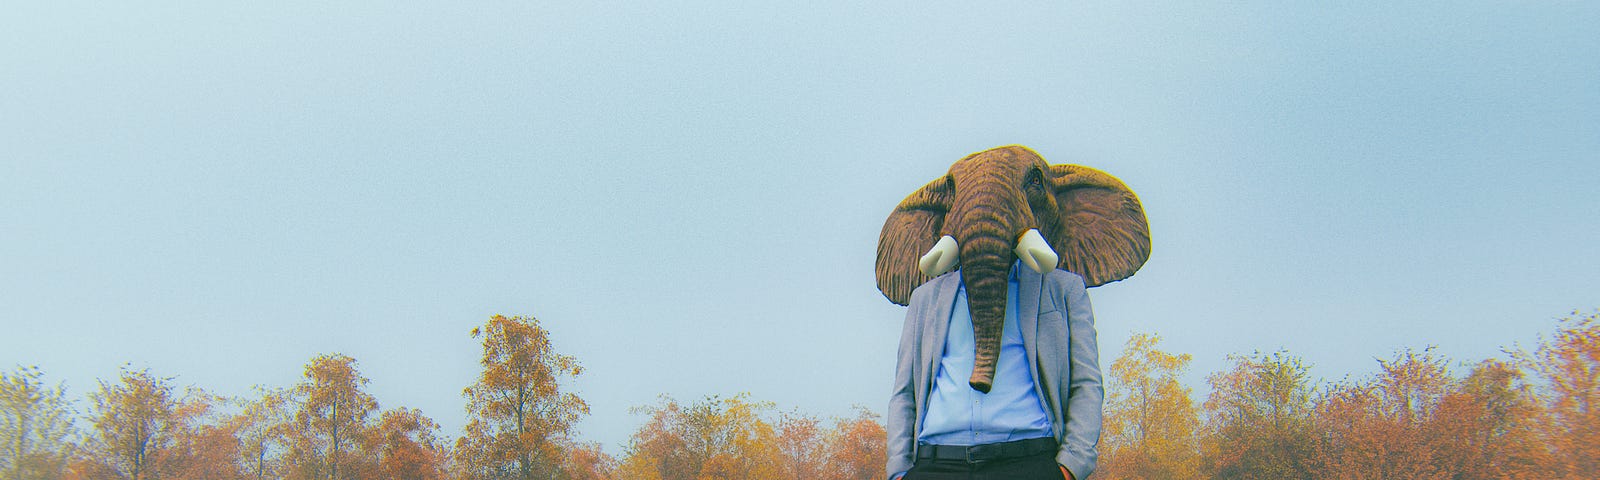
<point x="1066" y="474"/>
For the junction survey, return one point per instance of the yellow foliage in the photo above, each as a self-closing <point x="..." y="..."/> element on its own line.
<point x="730" y="439"/>
<point x="518" y="414"/>
<point x="1150" y="421"/>
<point x="330" y="422"/>
<point x="35" y="423"/>
<point x="1569" y="366"/>
<point x="1258" y="419"/>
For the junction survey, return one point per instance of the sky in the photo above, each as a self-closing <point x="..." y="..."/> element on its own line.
<point x="688" y="195"/>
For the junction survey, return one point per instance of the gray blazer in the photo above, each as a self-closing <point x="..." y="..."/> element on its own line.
<point x="1058" y="333"/>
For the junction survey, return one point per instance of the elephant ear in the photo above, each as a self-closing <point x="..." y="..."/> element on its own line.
<point x="911" y="230"/>
<point x="1102" y="235"/>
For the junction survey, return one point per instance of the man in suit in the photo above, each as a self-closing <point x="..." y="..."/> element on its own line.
<point x="1042" y="417"/>
<point x="998" y="373"/>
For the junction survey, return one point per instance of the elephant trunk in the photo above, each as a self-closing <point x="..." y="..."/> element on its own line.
<point x="987" y="214"/>
<point x="986" y="259"/>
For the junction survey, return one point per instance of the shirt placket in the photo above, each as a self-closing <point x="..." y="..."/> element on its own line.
<point x="976" y="418"/>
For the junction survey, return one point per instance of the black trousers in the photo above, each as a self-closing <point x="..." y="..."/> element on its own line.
<point x="1036" y="467"/>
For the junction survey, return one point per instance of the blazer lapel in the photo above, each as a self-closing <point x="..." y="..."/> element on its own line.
<point x="939" y="326"/>
<point x="1027" y="304"/>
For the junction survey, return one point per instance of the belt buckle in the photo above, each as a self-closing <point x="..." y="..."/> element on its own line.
<point x="977" y="454"/>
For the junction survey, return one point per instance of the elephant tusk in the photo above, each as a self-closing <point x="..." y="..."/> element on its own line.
<point x="940" y="258"/>
<point x="1035" y="252"/>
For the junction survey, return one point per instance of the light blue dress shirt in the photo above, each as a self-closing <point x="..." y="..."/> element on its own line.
<point x="959" y="415"/>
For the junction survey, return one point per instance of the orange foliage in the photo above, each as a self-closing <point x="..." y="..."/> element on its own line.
<point x="730" y="439"/>
<point x="855" y="448"/>
<point x="1258" y="423"/>
<point x="207" y="452"/>
<point x="1490" y="425"/>
<point x="587" y="461"/>
<point x="260" y="427"/>
<point x="407" y="447"/>
<point x="1414" y="419"/>
<point x="1382" y="428"/>
<point x="798" y="441"/>
<point x="330" y="421"/>
<point x="713" y="438"/>
<point x="518" y="414"/>
<point x="1530" y="416"/>
<point x="1569" y="366"/>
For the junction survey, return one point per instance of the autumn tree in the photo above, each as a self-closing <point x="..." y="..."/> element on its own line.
<point x="1381" y="428"/>
<point x="408" y="446"/>
<point x="1150" y="420"/>
<point x="733" y="439"/>
<point x="1569" y="367"/>
<point x="260" y="426"/>
<point x="132" y="424"/>
<point x="799" y="443"/>
<point x="661" y="450"/>
<point x="1489" y="423"/>
<point x="1259" y="418"/>
<point x="35" y="421"/>
<point x="586" y="461"/>
<point x="516" y="410"/>
<point x="205" y="443"/>
<point x="331" y="420"/>
<point x="142" y="429"/>
<point x="855" y="448"/>
<point x="715" y="438"/>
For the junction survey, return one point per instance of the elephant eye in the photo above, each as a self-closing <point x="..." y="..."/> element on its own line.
<point x="1034" y="182"/>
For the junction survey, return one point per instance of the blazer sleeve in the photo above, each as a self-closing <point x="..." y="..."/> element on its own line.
<point x="1085" y="393"/>
<point x="902" y="416"/>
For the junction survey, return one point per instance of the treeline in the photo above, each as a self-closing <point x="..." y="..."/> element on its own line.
<point x="324" y="427"/>
<point x="1421" y="416"/>
<point x="736" y="438"/>
<point x="1531" y="415"/>
<point x="327" y="427"/>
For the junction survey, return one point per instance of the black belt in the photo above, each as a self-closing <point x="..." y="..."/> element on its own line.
<point x="988" y="453"/>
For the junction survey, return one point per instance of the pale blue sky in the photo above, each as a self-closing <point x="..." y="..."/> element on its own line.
<point x="689" y="195"/>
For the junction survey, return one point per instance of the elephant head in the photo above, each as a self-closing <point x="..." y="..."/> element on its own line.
<point x="1002" y="205"/>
